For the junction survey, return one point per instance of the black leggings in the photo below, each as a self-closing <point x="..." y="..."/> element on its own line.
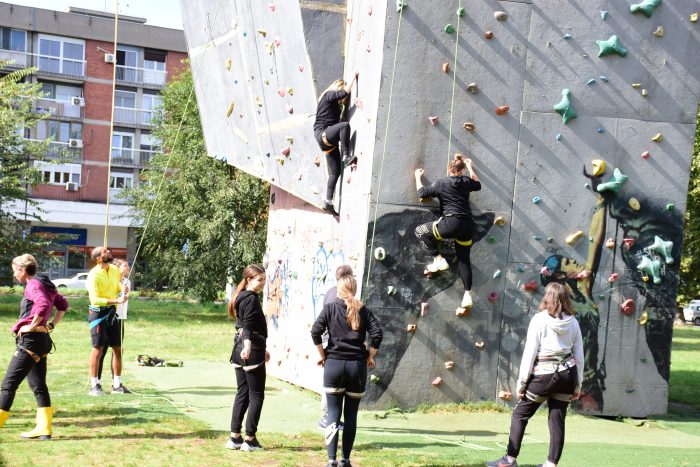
<point x="249" y="397"/>
<point x="344" y="383"/>
<point x="556" y="389"/>
<point x="22" y="366"/>
<point x="338" y="133"/>
<point x="459" y="228"/>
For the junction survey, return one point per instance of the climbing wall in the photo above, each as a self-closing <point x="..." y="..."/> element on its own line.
<point x="579" y="117"/>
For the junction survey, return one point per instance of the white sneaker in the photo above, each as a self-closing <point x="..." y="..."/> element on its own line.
<point x="467" y="299"/>
<point x="234" y="443"/>
<point x="251" y="445"/>
<point x="438" y="265"/>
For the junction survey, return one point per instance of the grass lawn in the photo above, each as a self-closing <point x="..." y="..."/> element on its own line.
<point x="179" y="416"/>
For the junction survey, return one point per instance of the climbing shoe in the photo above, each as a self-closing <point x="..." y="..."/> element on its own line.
<point x="348" y="160"/>
<point x="96" y="391"/>
<point x="251" y="445"/>
<point x="438" y="265"/>
<point x="234" y="443"/>
<point x="120" y="390"/>
<point x="502" y="462"/>
<point x="328" y="207"/>
<point x="467" y="299"/>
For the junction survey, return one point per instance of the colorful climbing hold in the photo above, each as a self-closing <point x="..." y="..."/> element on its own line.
<point x="445" y="67"/>
<point x="610" y="243"/>
<point x="659" y="31"/>
<point x="557" y="136"/>
<point x="634" y="204"/>
<point x="627" y="307"/>
<point x="472" y="88"/>
<point x="280" y="161"/>
<point x="670" y="207"/>
<point x="613" y="278"/>
<point x="645" y="93"/>
<point x="545" y="271"/>
<point x="657" y="138"/>
<point x="262" y="32"/>
<point x="663" y="248"/>
<point x="488" y="35"/>
<point x="433" y="120"/>
<point x="600" y="130"/>
<point x="391" y="290"/>
<point x="636" y="85"/>
<point x="374" y="379"/>
<point x="424" y="308"/>
<point x="480" y="345"/>
<point x="644" y="318"/>
<point x="290" y="109"/>
<point x="437" y="381"/>
<point x="587" y="186"/>
<point x="604" y="14"/>
<point x="537" y="237"/>
<point x="449" y="365"/>
<point x="369" y="10"/>
<point x="603" y="78"/>
<point x="531" y="286"/>
<point x="650" y="268"/>
<point x="615" y="183"/>
<point x="317" y="161"/>
<point x="611" y="46"/>
<point x="628" y="242"/>
<point x="500" y="221"/>
<point x="228" y="64"/>
<point x="537" y="200"/>
<point x="379" y="254"/>
<point x="497" y="274"/>
<point x="277" y="42"/>
<point x="400" y="5"/>
<point x="449" y="29"/>
<point x="590" y="81"/>
<point x="566" y="36"/>
<point x="230" y="109"/>
<point x="646" y="7"/>
<point x="290" y="139"/>
<point x="500" y="15"/>
<point x="460" y="12"/>
<point x="693" y="17"/>
<point x="502" y="110"/>
<point x="411" y="328"/>
<point x="564" y="106"/>
<point x="281" y="92"/>
<point x="646" y="155"/>
<point x="574" y="237"/>
<point x="463" y="312"/>
<point x="285" y="151"/>
<point x="493" y="296"/>
<point x="469" y="126"/>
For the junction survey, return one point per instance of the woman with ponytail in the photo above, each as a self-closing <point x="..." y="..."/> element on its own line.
<point x="248" y="357"/>
<point x="455" y="219"/>
<point x="345" y="361"/>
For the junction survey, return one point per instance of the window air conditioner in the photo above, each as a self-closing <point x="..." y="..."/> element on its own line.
<point x="76" y="100"/>
<point x="75" y="143"/>
<point x="110" y="58"/>
<point x="71" y="186"/>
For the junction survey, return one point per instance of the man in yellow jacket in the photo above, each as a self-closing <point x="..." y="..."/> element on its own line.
<point x="104" y="287"/>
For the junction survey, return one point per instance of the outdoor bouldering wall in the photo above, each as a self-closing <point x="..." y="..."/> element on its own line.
<point x="520" y="88"/>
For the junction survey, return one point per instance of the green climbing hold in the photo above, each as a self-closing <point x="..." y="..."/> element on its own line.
<point x="491" y="239"/>
<point x="611" y="46"/>
<point x="647" y="7"/>
<point x="400" y="5"/>
<point x="295" y="275"/>
<point x="615" y="183"/>
<point x="670" y="207"/>
<point x="564" y="107"/>
<point x="449" y="29"/>
<point x="460" y="12"/>
<point x="650" y="268"/>
<point x="663" y="248"/>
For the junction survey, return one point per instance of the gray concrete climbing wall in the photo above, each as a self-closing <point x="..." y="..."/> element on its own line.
<point x="536" y="172"/>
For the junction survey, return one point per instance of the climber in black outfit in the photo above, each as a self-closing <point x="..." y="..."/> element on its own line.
<point x="333" y="135"/>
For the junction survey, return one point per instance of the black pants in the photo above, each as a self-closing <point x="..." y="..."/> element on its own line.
<point x="22" y="366"/>
<point x="251" y="389"/>
<point x="338" y="133"/>
<point x="344" y="382"/>
<point x="461" y="230"/>
<point x="556" y="389"/>
<point x="103" y="352"/>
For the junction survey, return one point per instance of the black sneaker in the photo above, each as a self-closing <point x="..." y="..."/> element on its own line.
<point x="96" y="390"/>
<point x="251" y="445"/>
<point x="234" y="443"/>
<point x="332" y="464"/>
<point x="328" y="207"/>
<point x="344" y="463"/>
<point x="120" y="390"/>
<point x="348" y="160"/>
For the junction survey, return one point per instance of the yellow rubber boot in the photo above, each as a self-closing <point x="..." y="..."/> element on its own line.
<point x="42" y="431"/>
<point x="3" y="417"/>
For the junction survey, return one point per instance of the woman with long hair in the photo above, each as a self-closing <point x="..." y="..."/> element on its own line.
<point x="333" y="134"/>
<point x="455" y="219"/>
<point x="345" y="361"/>
<point x="248" y="357"/>
<point x="33" y="344"/>
<point x="551" y="370"/>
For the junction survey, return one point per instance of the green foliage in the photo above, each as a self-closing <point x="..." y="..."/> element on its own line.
<point x="689" y="287"/>
<point x="17" y="172"/>
<point x="205" y="220"/>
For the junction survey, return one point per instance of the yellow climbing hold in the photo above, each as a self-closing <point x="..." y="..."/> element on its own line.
<point x="694" y="17"/>
<point x="290" y="91"/>
<point x="659" y="32"/>
<point x="645" y="93"/>
<point x="229" y="111"/>
<point x="636" y="85"/>
<point x="634" y="204"/>
<point x="658" y="137"/>
<point x="228" y="64"/>
<point x="598" y="167"/>
<point x="573" y="238"/>
<point x="258" y="102"/>
<point x="262" y="32"/>
<point x="500" y="221"/>
<point x="644" y="318"/>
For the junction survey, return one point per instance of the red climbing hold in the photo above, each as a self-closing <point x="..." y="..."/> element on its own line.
<point x="369" y="11"/>
<point x="627" y="307"/>
<point x="272" y="7"/>
<point x="277" y="42"/>
<point x="301" y="67"/>
<point x="488" y="35"/>
<point x="646" y="155"/>
<point x="531" y="286"/>
<point x="628" y="243"/>
<point x="545" y="271"/>
<point x="502" y="110"/>
<point x="437" y="381"/>
<point x="493" y="296"/>
<point x="281" y="92"/>
<point x="290" y="109"/>
<point x="613" y="277"/>
<point x="285" y="151"/>
<point x="433" y="120"/>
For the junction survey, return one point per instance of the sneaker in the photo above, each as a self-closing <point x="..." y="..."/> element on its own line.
<point x="438" y="265"/>
<point x="96" y="391"/>
<point x="348" y="160"/>
<point x="467" y="299"/>
<point x="502" y="462"/>
<point x="120" y="390"/>
<point x="234" y="443"/>
<point x="332" y="464"/>
<point x="344" y="463"/>
<point x="328" y="207"/>
<point x="251" y="445"/>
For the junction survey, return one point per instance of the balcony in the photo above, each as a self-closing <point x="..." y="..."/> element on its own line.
<point x="65" y="152"/>
<point x="141" y="76"/>
<point x="136" y="117"/>
<point x="114" y="196"/>
<point x="47" y="64"/>
<point x="132" y="157"/>
<point x="58" y="109"/>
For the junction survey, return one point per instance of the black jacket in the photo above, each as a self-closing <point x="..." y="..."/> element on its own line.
<point x="343" y="342"/>
<point x="328" y="110"/>
<point x="453" y="193"/>
<point x="250" y="319"/>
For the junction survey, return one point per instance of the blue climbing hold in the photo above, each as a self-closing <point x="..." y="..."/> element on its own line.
<point x="567" y="36"/>
<point x="558" y="136"/>
<point x="590" y="81"/>
<point x="537" y="237"/>
<point x="611" y="46"/>
<point x="603" y="78"/>
<point x="604" y="14"/>
<point x="600" y="130"/>
<point x="537" y="200"/>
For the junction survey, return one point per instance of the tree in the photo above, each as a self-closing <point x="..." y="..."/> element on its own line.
<point x="208" y="220"/>
<point x="689" y="287"/>
<point x="17" y="172"/>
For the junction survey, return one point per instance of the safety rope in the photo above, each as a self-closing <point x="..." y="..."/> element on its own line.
<point x="111" y="121"/>
<point x="386" y="136"/>
<point x="454" y="82"/>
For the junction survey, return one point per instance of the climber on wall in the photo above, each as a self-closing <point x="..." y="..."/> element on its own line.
<point x="333" y="134"/>
<point x="455" y="219"/>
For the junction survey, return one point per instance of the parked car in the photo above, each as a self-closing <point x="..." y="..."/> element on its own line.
<point x="78" y="282"/>
<point x="691" y="313"/>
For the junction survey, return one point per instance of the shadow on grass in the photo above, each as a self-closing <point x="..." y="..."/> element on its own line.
<point x="414" y="432"/>
<point x="193" y="435"/>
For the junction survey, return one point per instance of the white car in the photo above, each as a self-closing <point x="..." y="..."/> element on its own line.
<point x="76" y="282"/>
<point x="691" y="313"/>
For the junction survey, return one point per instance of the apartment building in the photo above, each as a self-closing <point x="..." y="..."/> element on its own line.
<point x="75" y="56"/>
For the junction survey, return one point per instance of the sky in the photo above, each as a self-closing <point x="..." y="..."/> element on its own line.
<point x="165" y="13"/>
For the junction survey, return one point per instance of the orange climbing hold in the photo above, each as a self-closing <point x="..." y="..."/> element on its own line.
<point x="433" y="120"/>
<point x="437" y="381"/>
<point x="469" y="126"/>
<point x="610" y="243"/>
<point x="627" y="307"/>
<point x="488" y="35"/>
<point x="531" y="286"/>
<point x="449" y="365"/>
<point x="445" y="67"/>
<point x="502" y="110"/>
<point x="628" y="242"/>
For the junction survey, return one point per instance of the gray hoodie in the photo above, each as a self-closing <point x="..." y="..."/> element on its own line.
<point x="547" y="338"/>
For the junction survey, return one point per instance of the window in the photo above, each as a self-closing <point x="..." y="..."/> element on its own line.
<point x="154" y="67"/>
<point x="150" y="105"/>
<point x="124" y="107"/>
<point x="13" y="39"/>
<point x="61" y="55"/>
<point x="57" y="100"/>
<point x="150" y="145"/>
<point x="127" y="61"/>
<point x="59" y="174"/>
<point x="59" y="131"/>
<point x="122" y="148"/>
<point x="119" y="181"/>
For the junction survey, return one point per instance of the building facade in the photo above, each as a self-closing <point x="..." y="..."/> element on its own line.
<point x="75" y="57"/>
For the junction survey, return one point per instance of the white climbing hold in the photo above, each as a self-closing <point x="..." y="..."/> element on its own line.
<point x="379" y="254"/>
<point x="500" y="15"/>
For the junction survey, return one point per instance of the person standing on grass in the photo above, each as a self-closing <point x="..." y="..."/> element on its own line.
<point x="345" y="361"/>
<point x="551" y="370"/>
<point x="123" y="267"/>
<point x="248" y="357"/>
<point x="33" y="344"/>
<point x="104" y="288"/>
<point x="331" y="294"/>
